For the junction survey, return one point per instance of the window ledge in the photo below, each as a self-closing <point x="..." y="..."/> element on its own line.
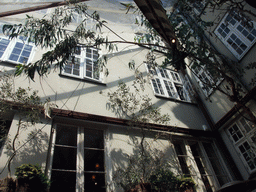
<point x="175" y="100"/>
<point x="82" y="79"/>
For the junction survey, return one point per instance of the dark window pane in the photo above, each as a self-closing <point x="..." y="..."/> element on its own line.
<point x="254" y="32"/>
<point x="238" y="41"/>
<point x="93" y="160"/>
<point x="63" y="181"/>
<point x="93" y="138"/>
<point x="64" y="158"/>
<point x="240" y="28"/>
<point x="245" y="32"/>
<point x="250" y="37"/>
<point x="88" y="73"/>
<point x="233" y="37"/>
<point x="66" y="135"/>
<point x="94" y="182"/>
<point x="243" y="46"/>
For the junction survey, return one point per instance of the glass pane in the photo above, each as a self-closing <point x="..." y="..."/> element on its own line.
<point x="93" y="138"/>
<point x="23" y="60"/>
<point x="94" y="182"/>
<point x="19" y="45"/>
<point x="4" y="41"/>
<point x="63" y="181"/>
<point x="16" y="51"/>
<point x="28" y="47"/>
<point x="14" y="57"/>
<point x="64" y="158"/>
<point x="25" y="53"/>
<point x="66" y="135"/>
<point x="93" y="160"/>
<point x="88" y="73"/>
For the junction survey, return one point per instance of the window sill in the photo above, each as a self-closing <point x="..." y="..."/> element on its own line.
<point x="175" y="100"/>
<point x="82" y="79"/>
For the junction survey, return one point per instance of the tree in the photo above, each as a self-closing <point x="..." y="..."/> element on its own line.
<point x="189" y="30"/>
<point x="28" y="106"/>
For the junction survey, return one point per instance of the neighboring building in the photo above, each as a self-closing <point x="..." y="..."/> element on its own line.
<point x="84" y="141"/>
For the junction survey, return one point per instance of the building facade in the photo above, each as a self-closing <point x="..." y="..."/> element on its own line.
<point x="84" y="141"/>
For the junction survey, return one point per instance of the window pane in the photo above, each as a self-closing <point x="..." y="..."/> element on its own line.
<point x="64" y="158"/>
<point x="94" y="160"/>
<point x="216" y="165"/>
<point x="179" y="148"/>
<point x="93" y="138"/>
<point x="66" y="135"/>
<point x="94" y="182"/>
<point x="14" y="57"/>
<point x="63" y="181"/>
<point x="16" y="51"/>
<point x="23" y="60"/>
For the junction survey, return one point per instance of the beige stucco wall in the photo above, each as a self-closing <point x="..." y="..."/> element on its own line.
<point x="32" y="151"/>
<point x="82" y="96"/>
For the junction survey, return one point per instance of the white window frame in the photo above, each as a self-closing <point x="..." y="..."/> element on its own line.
<point x="12" y="46"/>
<point x="205" y="161"/>
<point x="84" y="60"/>
<point x="166" y="83"/>
<point x="201" y="71"/>
<point x="246" y="136"/>
<point x="199" y="6"/>
<point x="234" y="35"/>
<point x="79" y="156"/>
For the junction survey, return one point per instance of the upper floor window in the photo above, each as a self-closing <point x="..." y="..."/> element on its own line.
<point x="17" y="50"/>
<point x="83" y="64"/>
<point x="242" y="134"/>
<point x="237" y="33"/>
<point x="168" y="83"/>
<point x="199" y="6"/>
<point x="204" y="79"/>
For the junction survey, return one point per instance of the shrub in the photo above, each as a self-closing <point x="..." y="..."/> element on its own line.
<point x="31" y="178"/>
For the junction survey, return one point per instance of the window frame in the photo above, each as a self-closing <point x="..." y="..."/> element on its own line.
<point x="234" y="31"/>
<point x="79" y="155"/>
<point x="199" y="71"/>
<point x="84" y="57"/>
<point x="246" y="138"/>
<point x="166" y="83"/>
<point x="12" y="45"/>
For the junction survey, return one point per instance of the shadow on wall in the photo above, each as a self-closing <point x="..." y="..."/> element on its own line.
<point x="137" y="166"/>
<point x="33" y="152"/>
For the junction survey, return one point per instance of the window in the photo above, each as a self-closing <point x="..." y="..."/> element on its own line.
<point x="210" y="165"/>
<point x="243" y="135"/>
<point x="182" y="157"/>
<point x="168" y="83"/>
<point x="204" y="79"/>
<point x="17" y="50"/>
<point x="78" y="160"/>
<point x="201" y="161"/>
<point x="199" y="6"/>
<point x="236" y="33"/>
<point x="83" y="64"/>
